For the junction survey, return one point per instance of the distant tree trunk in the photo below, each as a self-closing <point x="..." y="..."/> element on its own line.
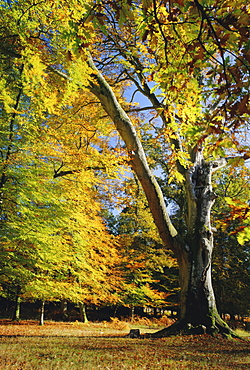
<point x="115" y="310"/>
<point x="132" y="312"/>
<point x="155" y="311"/>
<point x="64" y="310"/>
<point x="17" y="308"/>
<point x="41" y="321"/>
<point x="83" y="312"/>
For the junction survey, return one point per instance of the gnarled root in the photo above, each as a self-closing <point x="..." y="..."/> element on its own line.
<point x="183" y="327"/>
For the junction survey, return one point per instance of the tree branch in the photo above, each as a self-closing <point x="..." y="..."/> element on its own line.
<point x="101" y="89"/>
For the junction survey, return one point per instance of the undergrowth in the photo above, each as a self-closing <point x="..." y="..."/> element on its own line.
<point x="163" y="321"/>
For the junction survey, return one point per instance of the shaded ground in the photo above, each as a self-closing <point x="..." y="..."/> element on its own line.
<point x="63" y="346"/>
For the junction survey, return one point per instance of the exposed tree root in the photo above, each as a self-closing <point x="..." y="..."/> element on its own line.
<point x="182" y="327"/>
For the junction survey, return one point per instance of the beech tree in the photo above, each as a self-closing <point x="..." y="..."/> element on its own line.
<point x="191" y="61"/>
<point x="53" y="242"/>
<point x="188" y="51"/>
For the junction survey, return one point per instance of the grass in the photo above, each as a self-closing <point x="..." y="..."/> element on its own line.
<point x="93" y="346"/>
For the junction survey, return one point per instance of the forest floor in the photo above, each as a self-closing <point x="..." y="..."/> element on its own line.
<point x="92" y="346"/>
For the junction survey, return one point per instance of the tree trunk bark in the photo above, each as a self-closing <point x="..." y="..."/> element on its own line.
<point x="132" y="312"/>
<point x="17" y="309"/>
<point x="83" y="313"/>
<point x="198" y="314"/>
<point x="64" y="310"/>
<point x="42" y="310"/>
<point x="198" y="306"/>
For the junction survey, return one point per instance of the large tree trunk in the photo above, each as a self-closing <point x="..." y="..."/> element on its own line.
<point x="194" y="250"/>
<point x="198" y="306"/>
<point x="198" y="313"/>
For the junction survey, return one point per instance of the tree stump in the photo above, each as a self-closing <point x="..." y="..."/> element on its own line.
<point x="134" y="333"/>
